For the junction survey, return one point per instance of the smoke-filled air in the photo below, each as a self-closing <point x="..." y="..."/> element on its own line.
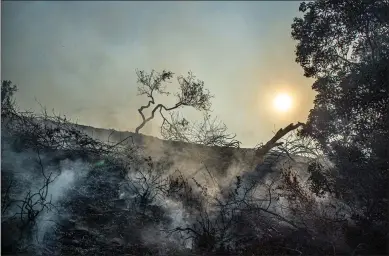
<point x="195" y="128"/>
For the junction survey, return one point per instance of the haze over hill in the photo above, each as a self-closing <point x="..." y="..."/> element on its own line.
<point x="198" y="159"/>
<point x="195" y="74"/>
<point x="82" y="63"/>
<point x="87" y="182"/>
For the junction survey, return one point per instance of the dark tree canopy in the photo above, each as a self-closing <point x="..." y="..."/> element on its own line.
<point x="334" y="36"/>
<point x="344" y="45"/>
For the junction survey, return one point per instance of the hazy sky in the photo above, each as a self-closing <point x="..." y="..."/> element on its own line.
<point x="80" y="59"/>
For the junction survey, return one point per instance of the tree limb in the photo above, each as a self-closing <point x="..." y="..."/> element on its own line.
<point x="272" y="143"/>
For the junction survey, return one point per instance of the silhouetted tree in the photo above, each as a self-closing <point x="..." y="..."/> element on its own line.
<point x="344" y="45"/>
<point x="191" y="94"/>
<point x="209" y="132"/>
<point x="7" y="96"/>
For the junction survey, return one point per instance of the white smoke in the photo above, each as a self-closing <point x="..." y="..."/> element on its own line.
<point x="70" y="172"/>
<point x="27" y="169"/>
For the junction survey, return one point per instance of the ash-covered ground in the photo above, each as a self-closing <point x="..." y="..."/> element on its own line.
<point x="77" y="190"/>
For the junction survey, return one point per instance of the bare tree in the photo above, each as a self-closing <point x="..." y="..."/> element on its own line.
<point x="192" y="93"/>
<point x="21" y="213"/>
<point x="209" y="132"/>
<point x="146" y="183"/>
<point x="234" y="219"/>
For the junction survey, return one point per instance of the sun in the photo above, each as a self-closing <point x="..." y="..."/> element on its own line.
<point x="282" y="102"/>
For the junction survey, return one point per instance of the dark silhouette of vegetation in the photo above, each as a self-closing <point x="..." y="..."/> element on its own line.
<point x="209" y="132"/>
<point x="29" y="208"/>
<point x="191" y="94"/>
<point x="7" y="97"/>
<point x="345" y="47"/>
<point x="215" y="221"/>
<point x="322" y="188"/>
<point x="39" y="135"/>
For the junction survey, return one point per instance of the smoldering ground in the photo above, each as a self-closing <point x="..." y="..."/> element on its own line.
<point x="150" y="196"/>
